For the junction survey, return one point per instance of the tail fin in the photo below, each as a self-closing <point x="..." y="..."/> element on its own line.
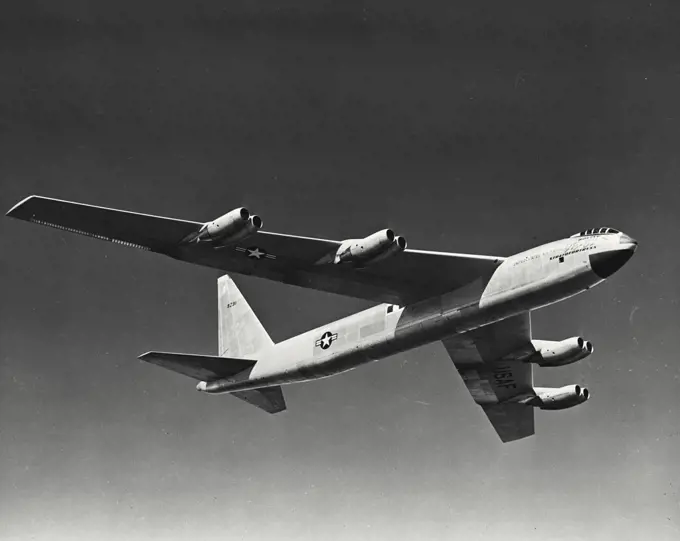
<point x="240" y="332"/>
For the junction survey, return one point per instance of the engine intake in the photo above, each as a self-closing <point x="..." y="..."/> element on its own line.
<point x="230" y="227"/>
<point x="548" y="398"/>
<point x="375" y="247"/>
<point x="550" y="353"/>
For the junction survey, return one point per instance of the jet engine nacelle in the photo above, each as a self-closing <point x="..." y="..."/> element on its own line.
<point x="549" y="353"/>
<point x="558" y="399"/>
<point x="230" y="227"/>
<point x="373" y="248"/>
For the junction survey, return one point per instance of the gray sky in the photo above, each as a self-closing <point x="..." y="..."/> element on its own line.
<point x="482" y="127"/>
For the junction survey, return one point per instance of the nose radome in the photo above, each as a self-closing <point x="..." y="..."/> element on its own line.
<point x="606" y="263"/>
<point x="627" y="239"/>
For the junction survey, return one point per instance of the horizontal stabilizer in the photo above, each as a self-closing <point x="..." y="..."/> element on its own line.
<point x="200" y="367"/>
<point x="270" y="399"/>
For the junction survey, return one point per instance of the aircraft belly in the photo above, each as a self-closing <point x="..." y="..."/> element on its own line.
<point x="322" y="352"/>
<point x="360" y="346"/>
<point x="539" y="293"/>
<point x="510" y="292"/>
<point x="302" y="370"/>
<point x="335" y="364"/>
<point x="382" y="331"/>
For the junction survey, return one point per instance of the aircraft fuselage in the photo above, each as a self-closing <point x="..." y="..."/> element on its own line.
<point x="523" y="282"/>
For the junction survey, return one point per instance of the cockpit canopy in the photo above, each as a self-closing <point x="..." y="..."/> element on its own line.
<point x="596" y="231"/>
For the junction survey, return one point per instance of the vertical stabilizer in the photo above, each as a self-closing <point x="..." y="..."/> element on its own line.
<point x="240" y="332"/>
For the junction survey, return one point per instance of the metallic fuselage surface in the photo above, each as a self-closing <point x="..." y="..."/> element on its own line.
<point x="523" y="282"/>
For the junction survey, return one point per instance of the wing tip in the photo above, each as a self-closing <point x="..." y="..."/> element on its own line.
<point x="14" y="212"/>
<point x="514" y="437"/>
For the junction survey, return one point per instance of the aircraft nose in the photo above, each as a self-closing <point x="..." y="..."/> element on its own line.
<point x="627" y="239"/>
<point x="606" y="263"/>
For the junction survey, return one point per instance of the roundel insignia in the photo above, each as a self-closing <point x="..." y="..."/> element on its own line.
<point x="326" y="340"/>
<point x="255" y="252"/>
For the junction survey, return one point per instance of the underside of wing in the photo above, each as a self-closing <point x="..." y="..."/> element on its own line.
<point x="269" y="399"/>
<point x="403" y="278"/>
<point x="486" y="360"/>
<point x="511" y="421"/>
<point x="143" y="231"/>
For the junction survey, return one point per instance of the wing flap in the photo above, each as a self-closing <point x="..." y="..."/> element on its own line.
<point x="200" y="367"/>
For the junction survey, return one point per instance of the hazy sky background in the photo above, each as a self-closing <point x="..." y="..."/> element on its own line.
<point x="478" y="126"/>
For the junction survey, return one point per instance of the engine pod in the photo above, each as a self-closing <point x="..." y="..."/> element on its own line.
<point x="362" y="252"/>
<point x="230" y="227"/>
<point x="550" y="353"/>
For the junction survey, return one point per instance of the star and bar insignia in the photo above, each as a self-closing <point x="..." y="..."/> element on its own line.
<point x="326" y="340"/>
<point x="255" y="253"/>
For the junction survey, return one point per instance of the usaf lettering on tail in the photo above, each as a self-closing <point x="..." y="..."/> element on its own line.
<point x="478" y="306"/>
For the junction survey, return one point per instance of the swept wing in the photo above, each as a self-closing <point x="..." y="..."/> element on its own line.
<point x="485" y="360"/>
<point x="302" y="261"/>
